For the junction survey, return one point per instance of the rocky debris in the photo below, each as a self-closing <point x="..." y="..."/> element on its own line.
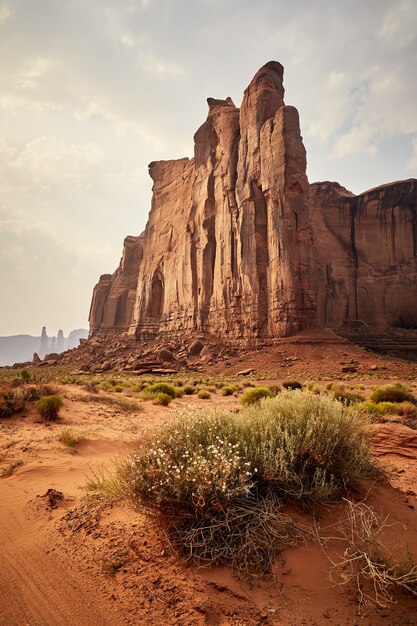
<point x="53" y="497"/>
<point x="349" y="369"/>
<point x="52" y="356"/>
<point x="246" y="372"/>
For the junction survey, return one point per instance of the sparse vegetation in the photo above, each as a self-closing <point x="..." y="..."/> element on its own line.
<point x="70" y="438"/>
<point x="204" y="394"/>
<point x="158" y="388"/>
<point x="292" y="384"/>
<point x="255" y="394"/>
<point x="392" y="393"/>
<point x="227" y="390"/>
<point x="220" y="480"/>
<point x="347" y="396"/>
<point x="12" y="401"/>
<point x="48" y="407"/>
<point x="25" y="375"/>
<point x="367" y="563"/>
<point x="9" y="470"/>
<point x="162" y="398"/>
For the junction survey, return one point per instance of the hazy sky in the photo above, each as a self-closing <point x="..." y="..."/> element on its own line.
<point x="91" y="91"/>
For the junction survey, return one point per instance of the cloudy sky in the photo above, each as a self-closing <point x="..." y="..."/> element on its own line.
<point x="91" y="91"/>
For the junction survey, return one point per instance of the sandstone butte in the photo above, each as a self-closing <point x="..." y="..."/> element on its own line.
<point x="240" y="247"/>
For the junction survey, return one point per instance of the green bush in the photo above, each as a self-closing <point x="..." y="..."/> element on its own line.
<point x="392" y="393"/>
<point x="254" y="394"/>
<point x="154" y="390"/>
<point x="162" y="398"/>
<point x="25" y="375"/>
<point x="49" y="406"/>
<point x="292" y="384"/>
<point x="189" y="390"/>
<point x="227" y="390"/>
<point x="203" y="394"/>
<point x="372" y="408"/>
<point x="220" y="480"/>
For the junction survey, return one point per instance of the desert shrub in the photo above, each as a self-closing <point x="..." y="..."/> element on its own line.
<point x="179" y="392"/>
<point x="189" y="390"/>
<point x="254" y="394"/>
<point x="227" y="390"/>
<point x="49" y="406"/>
<point x="204" y="394"/>
<point x="219" y="481"/>
<point x="306" y="446"/>
<point x="162" y="398"/>
<point x="392" y="393"/>
<point x="376" y="410"/>
<point x="153" y="390"/>
<point x="347" y="396"/>
<point x="25" y="375"/>
<point x="12" y="401"/>
<point x="274" y="389"/>
<point x="70" y="439"/>
<point x="406" y="409"/>
<point x="106" y="386"/>
<point x="34" y="392"/>
<point x="91" y="387"/>
<point x="292" y="384"/>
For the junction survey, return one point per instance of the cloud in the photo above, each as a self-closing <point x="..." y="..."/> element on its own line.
<point x="5" y="14"/>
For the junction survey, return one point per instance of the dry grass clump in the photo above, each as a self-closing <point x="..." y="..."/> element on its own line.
<point x="392" y="393"/>
<point x="123" y="404"/>
<point x="219" y="481"/>
<point x="228" y="390"/>
<point x="70" y="438"/>
<point x="254" y="395"/>
<point x="162" y="398"/>
<point x="348" y="396"/>
<point x="204" y="394"/>
<point x="367" y="563"/>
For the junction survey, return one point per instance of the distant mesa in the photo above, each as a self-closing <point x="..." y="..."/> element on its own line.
<point x="22" y="348"/>
<point x="240" y="246"/>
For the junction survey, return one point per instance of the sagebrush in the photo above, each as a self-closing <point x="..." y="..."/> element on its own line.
<point x="202" y="472"/>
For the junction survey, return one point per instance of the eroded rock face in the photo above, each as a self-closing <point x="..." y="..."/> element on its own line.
<point x="114" y="295"/>
<point x="239" y="245"/>
<point x="367" y="254"/>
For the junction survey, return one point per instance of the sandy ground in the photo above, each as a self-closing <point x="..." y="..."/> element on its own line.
<point x="94" y="562"/>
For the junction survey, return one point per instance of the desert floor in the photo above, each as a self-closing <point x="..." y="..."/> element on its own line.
<point x="91" y="560"/>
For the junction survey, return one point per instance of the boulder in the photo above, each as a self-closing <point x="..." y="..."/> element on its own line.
<point x="165" y="356"/>
<point x="195" y="348"/>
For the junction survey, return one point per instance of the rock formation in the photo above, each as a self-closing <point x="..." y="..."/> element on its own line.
<point x="238" y="245"/>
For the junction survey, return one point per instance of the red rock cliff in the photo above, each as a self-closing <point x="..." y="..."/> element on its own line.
<point x="239" y="245"/>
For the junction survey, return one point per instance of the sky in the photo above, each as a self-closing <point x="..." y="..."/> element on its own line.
<point x="91" y="91"/>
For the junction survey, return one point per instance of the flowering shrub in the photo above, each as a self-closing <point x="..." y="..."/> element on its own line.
<point x="219" y="480"/>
